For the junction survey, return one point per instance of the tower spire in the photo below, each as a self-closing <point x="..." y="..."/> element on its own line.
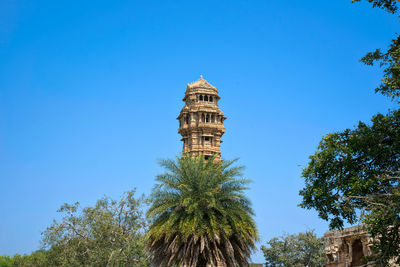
<point x="201" y="122"/>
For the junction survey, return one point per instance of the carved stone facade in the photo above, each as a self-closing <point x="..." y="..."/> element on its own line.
<point x="347" y="247"/>
<point x="201" y="122"/>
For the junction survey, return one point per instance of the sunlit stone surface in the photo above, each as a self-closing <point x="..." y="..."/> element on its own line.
<point x="201" y="122"/>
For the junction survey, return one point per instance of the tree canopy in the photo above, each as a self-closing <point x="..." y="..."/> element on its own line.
<point x="37" y="258"/>
<point x="391" y="6"/>
<point x="112" y="233"/>
<point x="353" y="169"/>
<point x="295" y="250"/>
<point x="109" y="234"/>
<point x="200" y="215"/>
<point x="354" y="174"/>
<point x="351" y="163"/>
<point x="389" y="59"/>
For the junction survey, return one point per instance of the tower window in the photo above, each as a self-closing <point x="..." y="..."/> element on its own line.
<point x="211" y="99"/>
<point x="207" y="138"/>
<point x="206" y="98"/>
<point x="187" y="119"/>
<point x="207" y="118"/>
<point x="206" y="157"/>
<point x="201" y="98"/>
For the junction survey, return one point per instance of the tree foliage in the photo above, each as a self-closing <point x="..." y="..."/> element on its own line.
<point x="109" y="234"/>
<point x="351" y="170"/>
<point x="200" y="215"/>
<point x="296" y="250"/>
<point x="382" y="218"/>
<point x="389" y="59"/>
<point x="391" y="6"/>
<point x="112" y="233"/>
<point x="354" y="175"/>
<point x="6" y="261"/>
<point x="37" y="258"/>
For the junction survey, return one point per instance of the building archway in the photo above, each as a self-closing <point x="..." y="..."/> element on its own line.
<point x="357" y="253"/>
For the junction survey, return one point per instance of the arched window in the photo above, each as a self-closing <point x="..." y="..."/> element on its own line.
<point x="207" y="118"/>
<point x="211" y="98"/>
<point x="201" y="98"/>
<point x="206" y="98"/>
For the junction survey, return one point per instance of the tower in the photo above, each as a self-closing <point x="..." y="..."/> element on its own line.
<point x="201" y="122"/>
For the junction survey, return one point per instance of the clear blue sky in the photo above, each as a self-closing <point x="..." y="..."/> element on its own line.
<point x="90" y="92"/>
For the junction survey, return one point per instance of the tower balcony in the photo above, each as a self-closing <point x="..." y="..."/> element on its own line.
<point x="209" y="127"/>
<point x="205" y="151"/>
<point x="215" y="125"/>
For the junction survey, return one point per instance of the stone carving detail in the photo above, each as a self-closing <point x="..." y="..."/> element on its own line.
<point x="201" y="122"/>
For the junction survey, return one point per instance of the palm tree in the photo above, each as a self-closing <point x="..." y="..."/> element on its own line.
<point x="200" y="215"/>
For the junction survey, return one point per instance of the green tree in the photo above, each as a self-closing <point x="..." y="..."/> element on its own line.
<point x="37" y="258"/>
<point x="109" y="234"/>
<point x="391" y="6"/>
<point x="354" y="171"/>
<point x="6" y="261"/>
<point x="303" y="249"/>
<point x="200" y="215"/>
<point x="389" y="59"/>
<point x="354" y="175"/>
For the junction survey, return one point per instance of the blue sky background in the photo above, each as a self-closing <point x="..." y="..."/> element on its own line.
<point x="90" y="92"/>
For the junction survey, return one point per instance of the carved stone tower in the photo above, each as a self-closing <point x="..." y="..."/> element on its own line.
<point x="201" y="122"/>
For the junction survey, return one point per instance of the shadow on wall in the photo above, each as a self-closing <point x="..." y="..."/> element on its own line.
<point x="357" y="254"/>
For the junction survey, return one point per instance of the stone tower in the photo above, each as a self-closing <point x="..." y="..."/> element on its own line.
<point x="201" y="122"/>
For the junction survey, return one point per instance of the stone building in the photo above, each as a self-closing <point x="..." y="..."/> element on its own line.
<point x="347" y="247"/>
<point x="201" y="122"/>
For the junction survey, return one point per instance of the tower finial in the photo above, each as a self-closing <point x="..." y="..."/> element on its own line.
<point x="201" y="76"/>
